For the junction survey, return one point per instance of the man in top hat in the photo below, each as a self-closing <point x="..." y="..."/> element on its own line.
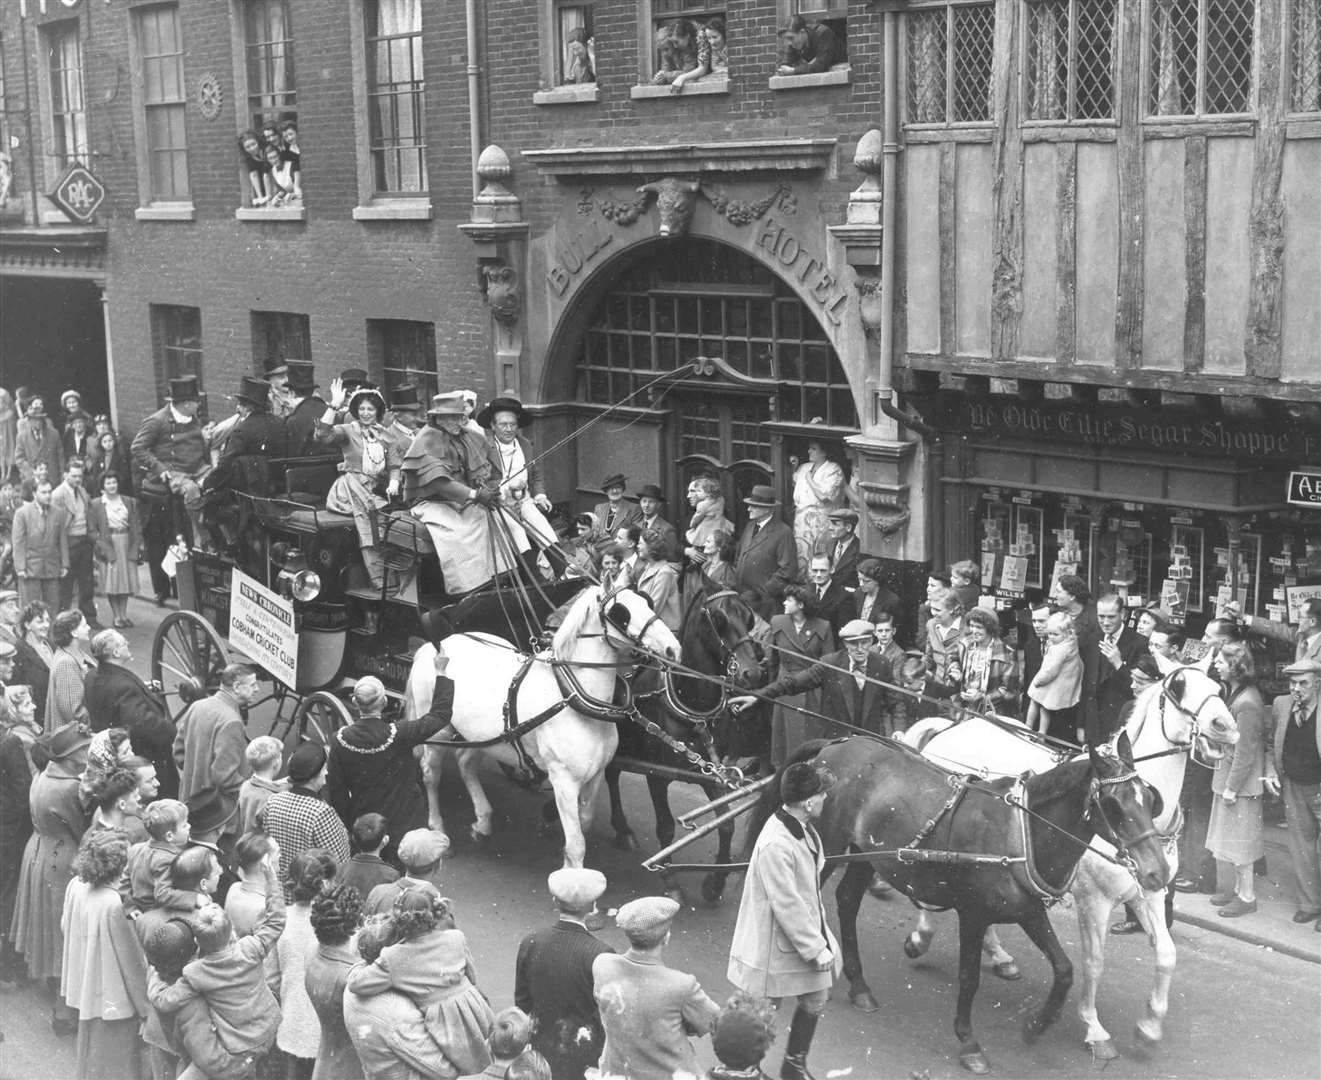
<point x="257" y="435"/>
<point x="299" y="819"/>
<point x="522" y="487"/>
<point x="616" y="512"/>
<point x="1293" y="766"/>
<point x="840" y="544"/>
<point x="648" y="1010"/>
<point x="781" y="906"/>
<point x="651" y="500"/>
<point x="115" y="696"/>
<point x="421" y="852"/>
<point x="37" y="440"/>
<point x="171" y="457"/>
<point x="276" y="372"/>
<point x="372" y="767"/>
<point x="305" y="409"/>
<point x="405" y="415"/>
<point x="450" y="485"/>
<point x="767" y="555"/>
<point x="553" y="976"/>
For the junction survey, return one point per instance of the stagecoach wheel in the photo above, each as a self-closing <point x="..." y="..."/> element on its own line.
<point x="187" y="656"/>
<point x="318" y="716"/>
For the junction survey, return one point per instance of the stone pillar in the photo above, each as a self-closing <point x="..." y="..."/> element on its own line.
<point x="497" y="228"/>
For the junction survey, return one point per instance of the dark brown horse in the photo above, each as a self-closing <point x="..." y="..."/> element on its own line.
<point x="714" y="638"/>
<point x="995" y="851"/>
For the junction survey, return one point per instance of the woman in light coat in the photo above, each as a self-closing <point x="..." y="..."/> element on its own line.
<point x="116" y="529"/>
<point x="657" y="579"/>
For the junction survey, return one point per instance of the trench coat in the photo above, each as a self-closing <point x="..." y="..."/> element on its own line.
<point x="781" y="927"/>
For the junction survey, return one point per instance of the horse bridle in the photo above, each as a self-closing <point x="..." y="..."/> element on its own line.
<point x="729" y="650"/>
<point x="1194" y="715"/>
<point x="636" y="641"/>
<point x="1094" y="803"/>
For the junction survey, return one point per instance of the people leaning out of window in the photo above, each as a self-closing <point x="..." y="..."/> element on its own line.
<point x="273" y="163"/>
<point x="676" y="50"/>
<point x="809" y="47"/>
<point x="712" y="55"/>
<point x="581" y="67"/>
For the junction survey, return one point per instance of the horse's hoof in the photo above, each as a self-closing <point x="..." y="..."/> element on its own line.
<point x="1145" y="1040"/>
<point x="864" y="1002"/>
<point x="626" y="841"/>
<point x="1103" y="1052"/>
<point x="480" y="839"/>
<point x="1007" y="970"/>
<point x="975" y="1062"/>
<point x="1032" y="1028"/>
<point x="713" y="890"/>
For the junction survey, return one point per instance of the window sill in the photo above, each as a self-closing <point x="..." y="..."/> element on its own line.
<point x="707" y="86"/>
<point x="274" y="213"/>
<point x="166" y="212"/>
<point x="836" y="76"/>
<point x="575" y="94"/>
<point x="394" y="210"/>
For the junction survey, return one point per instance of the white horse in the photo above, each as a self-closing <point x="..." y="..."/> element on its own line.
<point x="1182" y="710"/>
<point x="575" y="678"/>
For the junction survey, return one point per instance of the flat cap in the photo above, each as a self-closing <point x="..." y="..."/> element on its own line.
<point x="306" y="762"/>
<point x="576" y="887"/>
<point x="843" y="513"/>
<point x="1305" y="666"/>
<point x="6" y="649"/>
<point x="645" y="914"/>
<point x="422" y="847"/>
<point x="7" y="595"/>
<point x="857" y="630"/>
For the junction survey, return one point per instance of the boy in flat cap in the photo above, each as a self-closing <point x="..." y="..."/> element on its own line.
<point x="649" y="1011"/>
<point x="782" y="902"/>
<point x="553" y="976"/>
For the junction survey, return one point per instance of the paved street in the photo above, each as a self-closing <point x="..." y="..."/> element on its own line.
<point x="1237" y="1010"/>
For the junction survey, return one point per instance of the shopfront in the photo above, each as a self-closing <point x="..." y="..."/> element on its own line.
<point x="1180" y="508"/>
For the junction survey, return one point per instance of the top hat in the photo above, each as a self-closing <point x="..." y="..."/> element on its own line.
<point x="355" y="376"/>
<point x="450" y="404"/>
<point x="302" y="378"/>
<point x="616" y="480"/>
<point x="504" y="403"/>
<point x="365" y="393"/>
<point x="651" y="491"/>
<point x="256" y="392"/>
<point x="275" y="366"/>
<point x="762" y="495"/>
<point x="185" y="389"/>
<point x="405" y="398"/>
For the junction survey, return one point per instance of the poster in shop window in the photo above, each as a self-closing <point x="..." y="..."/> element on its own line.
<point x="1296" y="596"/>
<point x="1013" y="577"/>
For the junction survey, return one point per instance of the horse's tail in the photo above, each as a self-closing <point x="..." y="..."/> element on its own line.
<point x="769" y="799"/>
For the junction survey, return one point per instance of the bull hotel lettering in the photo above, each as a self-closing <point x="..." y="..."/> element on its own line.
<point x="1138" y="430"/>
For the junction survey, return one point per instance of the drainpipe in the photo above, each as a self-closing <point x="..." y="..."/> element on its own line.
<point x="889" y="188"/>
<point x="27" y="118"/>
<point x="113" y="401"/>
<point x="474" y="99"/>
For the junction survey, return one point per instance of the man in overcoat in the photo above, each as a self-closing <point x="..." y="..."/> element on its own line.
<point x="553" y="976"/>
<point x="210" y="745"/>
<point x="616" y="512"/>
<point x="40" y="535"/>
<point x="306" y="408"/>
<point x="1120" y="648"/>
<point x="767" y="555"/>
<point x="372" y="767"/>
<point x="782" y="946"/>
<point x="115" y="696"/>
<point x="36" y="440"/>
<point x="257" y="434"/>
<point x="1294" y="765"/>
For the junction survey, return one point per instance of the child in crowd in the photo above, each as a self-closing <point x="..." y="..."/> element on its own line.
<point x="265" y="755"/>
<point x="511" y="1032"/>
<point x="1057" y="686"/>
<point x="743" y="1033"/>
<point x="246" y="899"/>
<point x="365" y="870"/>
<point x="229" y="977"/>
<point x="166" y="821"/>
<point x="299" y="1035"/>
<point x="186" y="1035"/>
<point x="432" y="965"/>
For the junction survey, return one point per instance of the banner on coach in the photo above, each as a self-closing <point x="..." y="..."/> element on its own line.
<point x="261" y="626"/>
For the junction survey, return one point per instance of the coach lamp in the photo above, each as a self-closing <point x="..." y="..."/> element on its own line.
<point x="294" y="579"/>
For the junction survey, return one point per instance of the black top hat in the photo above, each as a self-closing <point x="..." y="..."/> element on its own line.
<point x="762" y="495"/>
<point x="185" y="389"/>
<point x="616" y="480"/>
<point x="406" y="398"/>
<point x="504" y="403"/>
<point x="355" y="376"/>
<point x="207" y="811"/>
<point x="302" y="378"/>
<point x="254" y="392"/>
<point x="651" y="491"/>
<point x="275" y="366"/>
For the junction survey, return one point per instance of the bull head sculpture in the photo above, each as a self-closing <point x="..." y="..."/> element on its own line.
<point x="676" y="200"/>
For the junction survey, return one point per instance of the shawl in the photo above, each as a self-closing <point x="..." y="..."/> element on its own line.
<point x="708" y="517"/>
<point x="436" y="457"/>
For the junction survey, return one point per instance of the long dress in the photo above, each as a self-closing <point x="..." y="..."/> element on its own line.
<point x="818" y="489"/>
<point x="121" y="576"/>
<point x="58" y="823"/>
<point x="104" y="978"/>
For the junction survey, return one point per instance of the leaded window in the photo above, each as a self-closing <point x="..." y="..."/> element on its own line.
<point x="396" y="90"/>
<point x="704" y="299"/>
<point x="1305" y="56"/>
<point x="949" y="52"/>
<point x="68" y="106"/>
<point x="1069" y="66"/>
<point x="1200" y="58"/>
<point x="269" y="47"/>
<point x="176" y="340"/>
<point x="280" y="335"/>
<point x="164" y="101"/>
